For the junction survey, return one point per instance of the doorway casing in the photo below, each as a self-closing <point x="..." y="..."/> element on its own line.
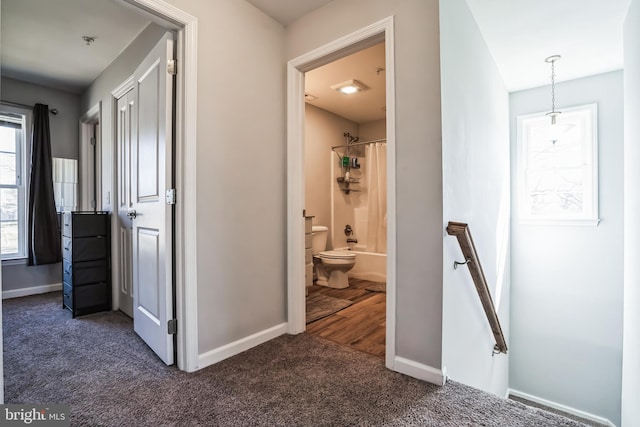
<point x="90" y="164"/>
<point x="185" y="238"/>
<point x="344" y="46"/>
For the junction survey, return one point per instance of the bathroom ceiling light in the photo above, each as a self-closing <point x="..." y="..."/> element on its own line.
<point x="350" y="86"/>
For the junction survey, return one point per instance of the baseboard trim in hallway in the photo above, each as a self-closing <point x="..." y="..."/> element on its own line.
<point x="420" y="371"/>
<point x="34" y="290"/>
<point x="561" y="407"/>
<point x="218" y="354"/>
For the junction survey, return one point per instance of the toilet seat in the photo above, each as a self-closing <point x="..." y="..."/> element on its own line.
<point x="336" y="255"/>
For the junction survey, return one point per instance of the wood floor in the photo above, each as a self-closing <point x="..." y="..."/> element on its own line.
<point x="360" y="326"/>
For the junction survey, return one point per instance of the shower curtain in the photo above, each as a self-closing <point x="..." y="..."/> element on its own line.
<point x="377" y="201"/>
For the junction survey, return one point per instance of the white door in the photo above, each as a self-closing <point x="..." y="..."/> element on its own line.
<point x="151" y="214"/>
<point x="125" y="128"/>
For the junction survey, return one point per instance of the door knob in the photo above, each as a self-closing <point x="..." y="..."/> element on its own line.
<point x="132" y="214"/>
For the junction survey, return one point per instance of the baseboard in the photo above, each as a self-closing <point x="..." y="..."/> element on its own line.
<point x="561" y="407"/>
<point x="218" y="354"/>
<point x="34" y="290"/>
<point x="420" y="371"/>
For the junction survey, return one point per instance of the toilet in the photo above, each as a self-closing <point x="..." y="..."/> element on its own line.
<point x="331" y="267"/>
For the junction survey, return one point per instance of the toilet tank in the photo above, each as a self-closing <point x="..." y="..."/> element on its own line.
<point x="319" y="238"/>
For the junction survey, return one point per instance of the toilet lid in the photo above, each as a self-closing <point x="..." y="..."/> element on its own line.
<point x="337" y="255"/>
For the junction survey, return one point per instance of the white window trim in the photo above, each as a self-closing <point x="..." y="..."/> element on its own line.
<point x="591" y="221"/>
<point x="25" y="161"/>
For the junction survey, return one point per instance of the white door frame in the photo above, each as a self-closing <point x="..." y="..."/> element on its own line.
<point x="88" y="170"/>
<point x="351" y="43"/>
<point x="185" y="177"/>
<point x="116" y="244"/>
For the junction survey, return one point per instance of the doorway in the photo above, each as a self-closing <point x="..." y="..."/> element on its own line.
<point x="90" y="161"/>
<point x="374" y="34"/>
<point x="345" y="196"/>
<point x="143" y="169"/>
<point x="185" y="272"/>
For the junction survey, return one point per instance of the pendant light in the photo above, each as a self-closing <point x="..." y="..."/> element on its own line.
<point x="556" y="130"/>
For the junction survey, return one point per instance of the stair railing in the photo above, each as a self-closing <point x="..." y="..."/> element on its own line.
<point x="462" y="233"/>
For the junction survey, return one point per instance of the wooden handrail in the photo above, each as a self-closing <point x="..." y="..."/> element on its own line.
<point x="462" y="233"/>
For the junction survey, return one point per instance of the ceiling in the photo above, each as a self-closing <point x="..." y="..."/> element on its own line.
<point x="366" y="66"/>
<point x="522" y="33"/>
<point x="42" y="40"/>
<point x="287" y="11"/>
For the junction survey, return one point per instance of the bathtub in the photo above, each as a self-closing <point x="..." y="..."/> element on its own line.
<point x="369" y="265"/>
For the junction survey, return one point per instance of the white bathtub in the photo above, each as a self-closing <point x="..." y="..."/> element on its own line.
<point x="369" y="266"/>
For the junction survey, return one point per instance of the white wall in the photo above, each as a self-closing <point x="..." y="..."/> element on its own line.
<point x="418" y="155"/>
<point x="475" y="158"/>
<point x="631" y="352"/>
<point x="241" y="171"/>
<point x="567" y="281"/>
<point x="322" y="131"/>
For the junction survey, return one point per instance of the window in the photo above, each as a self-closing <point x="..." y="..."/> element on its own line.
<point x="13" y="181"/>
<point x="558" y="181"/>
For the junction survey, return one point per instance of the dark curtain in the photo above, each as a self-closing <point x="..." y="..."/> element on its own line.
<point x="44" y="238"/>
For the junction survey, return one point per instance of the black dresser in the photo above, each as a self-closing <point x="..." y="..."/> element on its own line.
<point x="86" y="264"/>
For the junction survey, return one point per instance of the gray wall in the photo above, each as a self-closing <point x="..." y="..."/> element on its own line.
<point x="64" y="143"/>
<point x="567" y="281"/>
<point x="241" y="171"/>
<point x="475" y="155"/>
<point x="631" y="352"/>
<point x="63" y="126"/>
<point x="418" y="155"/>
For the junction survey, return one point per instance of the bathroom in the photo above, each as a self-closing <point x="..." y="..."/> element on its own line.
<point x="345" y="192"/>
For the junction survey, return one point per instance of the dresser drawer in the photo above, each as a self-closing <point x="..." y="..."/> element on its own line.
<point x="91" y="295"/>
<point x="67" y="296"/>
<point x="77" y="224"/>
<point x="84" y="272"/>
<point x="84" y="248"/>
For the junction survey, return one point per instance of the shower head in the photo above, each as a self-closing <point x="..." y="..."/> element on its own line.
<point x="354" y="139"/>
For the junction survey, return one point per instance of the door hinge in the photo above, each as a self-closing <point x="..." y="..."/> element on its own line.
<point x="171" y="196"/>
<point x="92" y="141"/>
<point x="172" y="327"/>
<point x="172" y="67"/>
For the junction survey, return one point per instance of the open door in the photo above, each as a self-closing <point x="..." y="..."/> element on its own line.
<point x="151" y="212"/>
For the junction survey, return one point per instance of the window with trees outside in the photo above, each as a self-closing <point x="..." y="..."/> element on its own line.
<point x="12" y="184"/>
<point x="558" y="179"/>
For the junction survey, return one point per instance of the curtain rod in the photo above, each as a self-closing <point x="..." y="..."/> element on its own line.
<point x="360" y="143"/>
<point x="53" y="111"/>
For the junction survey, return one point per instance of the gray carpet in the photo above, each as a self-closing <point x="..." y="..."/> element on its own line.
<point x="98" y="366"/>
<point x="319" y="306"/>
<point x="377" y="287"/>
